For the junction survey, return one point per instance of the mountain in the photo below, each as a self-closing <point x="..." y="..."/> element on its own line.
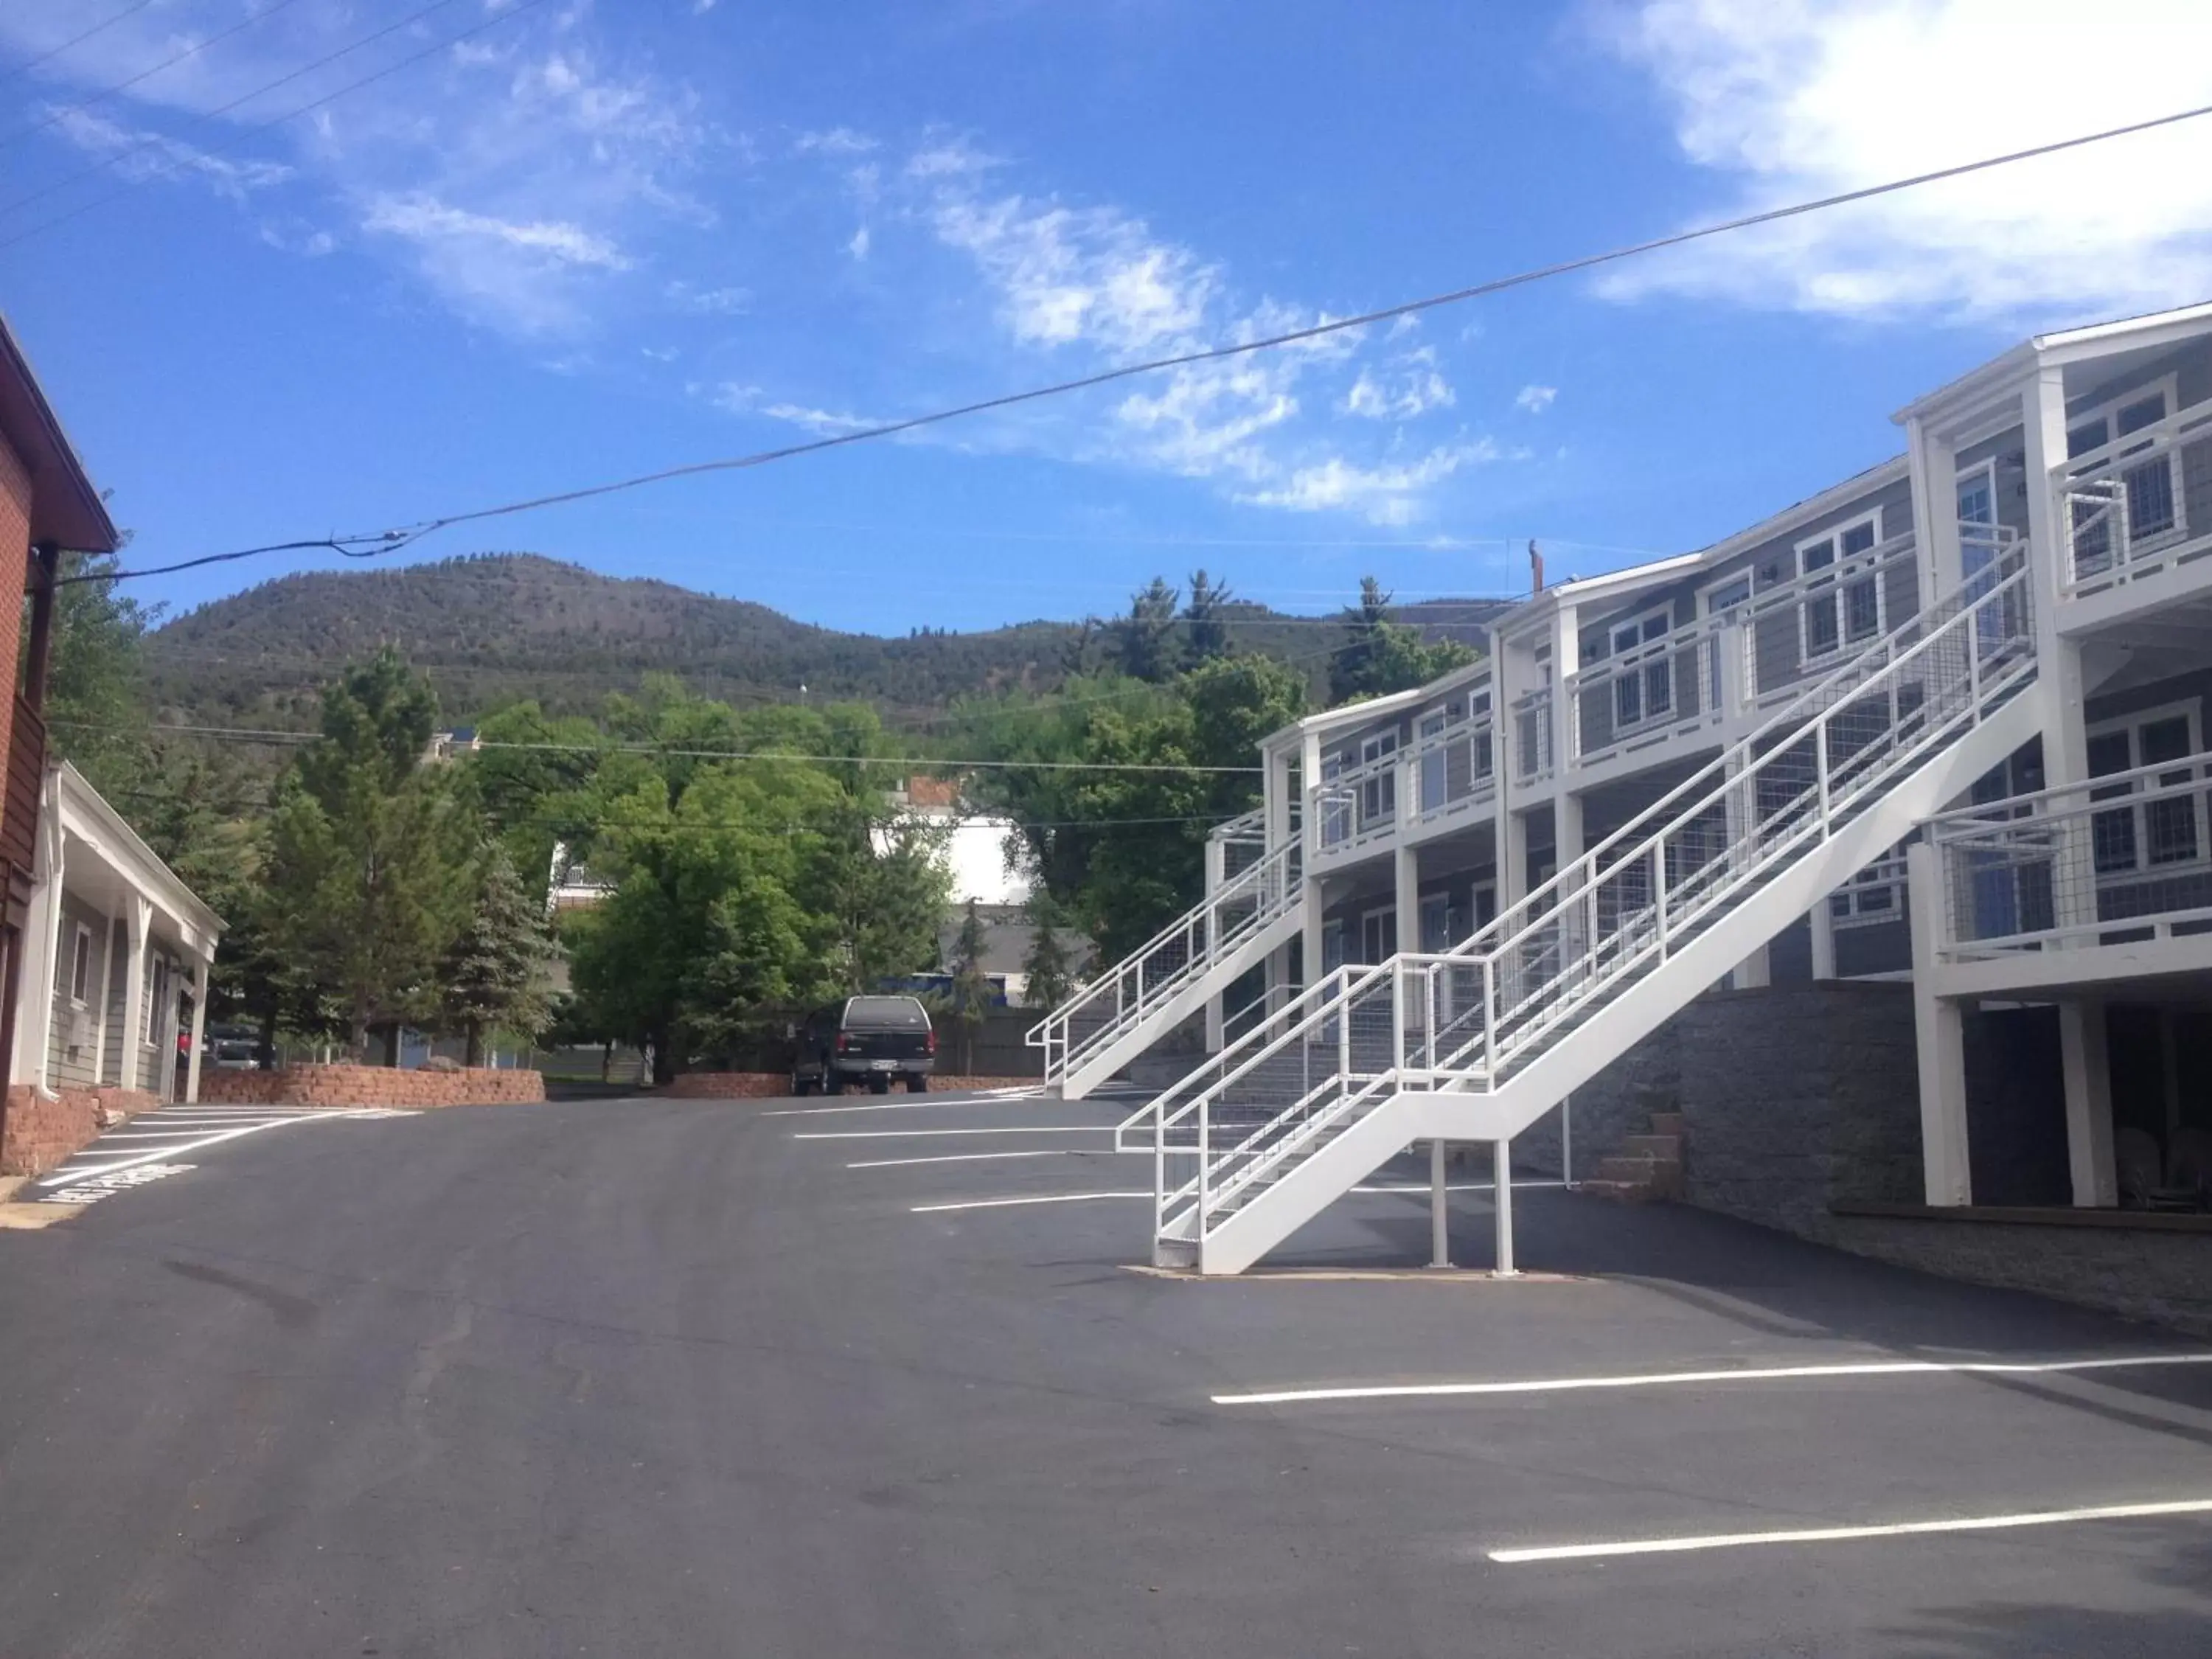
<point x="490" y="628"/>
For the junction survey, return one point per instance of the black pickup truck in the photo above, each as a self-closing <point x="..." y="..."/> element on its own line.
<point x="868" y="1040"/>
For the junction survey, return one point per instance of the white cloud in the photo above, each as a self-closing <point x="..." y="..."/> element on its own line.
<point x="837" y="141"/>
<point x="858" y="247"/>
<point x="945" y="158"/>
<point x="1536" y="398"/>
<point x="139" y="154"/>
<point x="426" y="220"/>
<point x="1409" y="386"/>
<point x="726" y="301"/>
<point x="1387" y="494"/>
<point x="1798" y="99"/>
<point x="741" y="399"/>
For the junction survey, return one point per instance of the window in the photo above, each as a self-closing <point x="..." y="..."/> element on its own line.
<point x="1435" y="770"/>
<point x="1378" y="794"/>
<point x="80" y="979"/>
<point x="1643" y="684"/>
<point x="2146" y="489"/>
<point x="1332" y="946"/>
<point x="1437" y="919"/>
<point x="1378" y="936"/>
<point x="2150" y="834"/>
<point x="1481" y="759"/>
<point x="1842" y="606"/>
<point x="1727" y="596"/>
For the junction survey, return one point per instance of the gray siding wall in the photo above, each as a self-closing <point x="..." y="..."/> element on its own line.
<point x="118" y="960"/>
<point x="66" y="1065"/>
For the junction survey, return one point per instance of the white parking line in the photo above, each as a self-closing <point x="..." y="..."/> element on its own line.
<point x="1010" y="1203"/>
<point x="70" y="1174"/>
<point x="915" y="1135"/>
<point x="885" y="1106"/>
<point x="1759" y="1374"/>
<point x="961" y="1157"/>
<point x="1728" y="1540"/>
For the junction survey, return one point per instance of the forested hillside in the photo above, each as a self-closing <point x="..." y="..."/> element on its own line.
<point x="489" y="628"/>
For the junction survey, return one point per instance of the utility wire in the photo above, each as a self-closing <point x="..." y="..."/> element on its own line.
<point x="393" y="68"/>
<point x="1215" y="354"/>
<point x="925" y="762"/>
<point x="193" y="50"/>
<point x="152" y="140"/>
<point x="74" y="41"/>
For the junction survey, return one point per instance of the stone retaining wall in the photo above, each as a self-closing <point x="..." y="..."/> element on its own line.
<point x="370" y="1086"/>
<point x="44" y="1131"/>
<point x="770" y="1085"/>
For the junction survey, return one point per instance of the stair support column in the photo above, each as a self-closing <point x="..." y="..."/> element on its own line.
<point x="1501" y="1159"/>
<point x="2086" y="1065"/>
<point x="1439" y="1209"/>
<point x="1939" y="1035"/>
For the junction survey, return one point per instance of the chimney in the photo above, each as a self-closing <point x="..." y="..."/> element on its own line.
<point x="1535" y="569"/>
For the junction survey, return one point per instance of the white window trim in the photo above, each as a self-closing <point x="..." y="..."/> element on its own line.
<point x="1834" y="534"/>
<point x="1366" y="917"/>
<point x="2188" y="709"/>
<point x="81" y="955"/>
<point x="1709" y="597"/>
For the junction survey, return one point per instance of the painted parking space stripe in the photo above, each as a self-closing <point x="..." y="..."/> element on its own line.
<point x="915" y="1135"/>
<point x="1730" y="1540"/>
<point x="940" y="1104"/>
<point x="96" y="1163"/>
<point x="970" y="1158"/>
<point x="1085" y="1198"/>
<point x="1740" y="1374"/>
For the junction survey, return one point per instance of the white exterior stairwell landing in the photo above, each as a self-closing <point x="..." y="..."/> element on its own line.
<point x="1123" y="1012"/>
<point x="1471" y="1043"/>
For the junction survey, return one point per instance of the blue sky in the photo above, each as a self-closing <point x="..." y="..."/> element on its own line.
<point x="593" y="238"/>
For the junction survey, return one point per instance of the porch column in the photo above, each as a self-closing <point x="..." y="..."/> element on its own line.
<point x="1824" y="940"/>
<point x="2087" y="1063"/>
<point x="140" y="919"/>
<point x="1310" y="833"/>
<point x="1216" y="866"/>
<point x="2059" y="675"/>
<point x="1939" y="1032"/>
<point x="100" y="995"/>
<point x="1406" y="895"/>
<point x="1566" y="848"/>
<point x="200" y="966"/>
<point x="1512" y="860"/>
<point x="34" y="1021"/>
<point x="1501" y="1165"/>
<point x="1934" y="463"/>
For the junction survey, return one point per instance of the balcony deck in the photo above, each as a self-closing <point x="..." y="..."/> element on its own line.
<point x="2135" y="519"/>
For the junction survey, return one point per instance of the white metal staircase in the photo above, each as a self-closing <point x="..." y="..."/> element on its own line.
<point x="1473" y="1043"/>
<point x="1169" y="977"/>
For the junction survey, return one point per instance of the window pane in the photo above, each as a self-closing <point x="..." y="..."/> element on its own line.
<point x="2147" y="411"/>
<point x="2164" y="740"/>
<point x="1857" y="539"/>
<point x="2090" y="435"/>
<point x="1819" y="556"/>
<point x="1624" y="639"/>
<point x="2109" y="753"/>
<point x="2150" y="499"/>
<point x="1654" y="627"/>
<point x="1861" y="610"/>
<point x="1479" y="748"/>
<point x="1627" y="700"/>
<point x="2112" y="839"/>
<point x="1820" y="625"/>
<point x="1659" y="688"/>
<point x="2170" y="829"/>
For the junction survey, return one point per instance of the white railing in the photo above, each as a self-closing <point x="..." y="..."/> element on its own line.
<point x="1455" y="770"/>
<point x="1161" y="968"/>
<point x="2138" y="505"/>
<point x="1646" y="695"/>
<point x="1470" y="1018"/>
<point x="1874" y="895"/>
<point x="1358" y="806"/>
<point x="2121" y="858"/>
<point x="1242" y="840"/>
<point x="1805" y="627"/>
<point x="1532" y="739"/>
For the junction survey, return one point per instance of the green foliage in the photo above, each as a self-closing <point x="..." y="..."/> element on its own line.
<point x="493" y="977"/>
<point x="368" y="854"/>
<point x="1206" y="633"/>
<point x="1047" y="966"/>
<point x="1383" y="656"/>
<point x="1124" y="850"/>
<point x="1145" y="640"/>
<point x="746" y="890"/>
<point x="96" y="709"/>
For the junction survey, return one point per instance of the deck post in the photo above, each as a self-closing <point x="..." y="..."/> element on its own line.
<point x="2085" y="1063"/>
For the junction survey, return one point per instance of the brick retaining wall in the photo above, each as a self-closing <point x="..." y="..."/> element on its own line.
<point x="370" y="1086"/>
<point x="44" y="1131"/>
<point x="770" y="1085"/>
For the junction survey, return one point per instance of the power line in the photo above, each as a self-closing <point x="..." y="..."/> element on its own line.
<point x="924" y="763"/>
<point x="153" y="139"/>
<point x="193" y="50"/>
<point x="1215" y="354"/>
<point x="75" y="40"/>
<point x="393" y="539"/>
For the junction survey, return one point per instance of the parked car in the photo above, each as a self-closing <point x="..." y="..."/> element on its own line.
<point x="868" y="1040"/>
<point x="234" y="1048"/>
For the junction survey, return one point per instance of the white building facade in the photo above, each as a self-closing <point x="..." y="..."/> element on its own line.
<point x="1943" y="722"/>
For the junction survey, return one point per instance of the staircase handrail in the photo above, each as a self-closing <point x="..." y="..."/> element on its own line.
<point x="1254" y="877"/>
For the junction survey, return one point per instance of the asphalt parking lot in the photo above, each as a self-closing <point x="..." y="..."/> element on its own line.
<point x="807" y="1377"/>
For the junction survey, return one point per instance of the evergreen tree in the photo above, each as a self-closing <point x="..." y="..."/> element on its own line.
<point x="1051" y="973"/>
<point x="1146" y="645"/>
<point x="1209" y="633"/>
<point x="971" y="986"/>
<point x="1380" y="656"/>
<point x="494" y="973"/>
<point x="367" y="857"/>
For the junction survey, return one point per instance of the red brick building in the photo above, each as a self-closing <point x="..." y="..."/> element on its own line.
<point x="48" y="507"/>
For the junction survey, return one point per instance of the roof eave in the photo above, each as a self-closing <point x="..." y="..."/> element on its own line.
<point x="65" y="508"/>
